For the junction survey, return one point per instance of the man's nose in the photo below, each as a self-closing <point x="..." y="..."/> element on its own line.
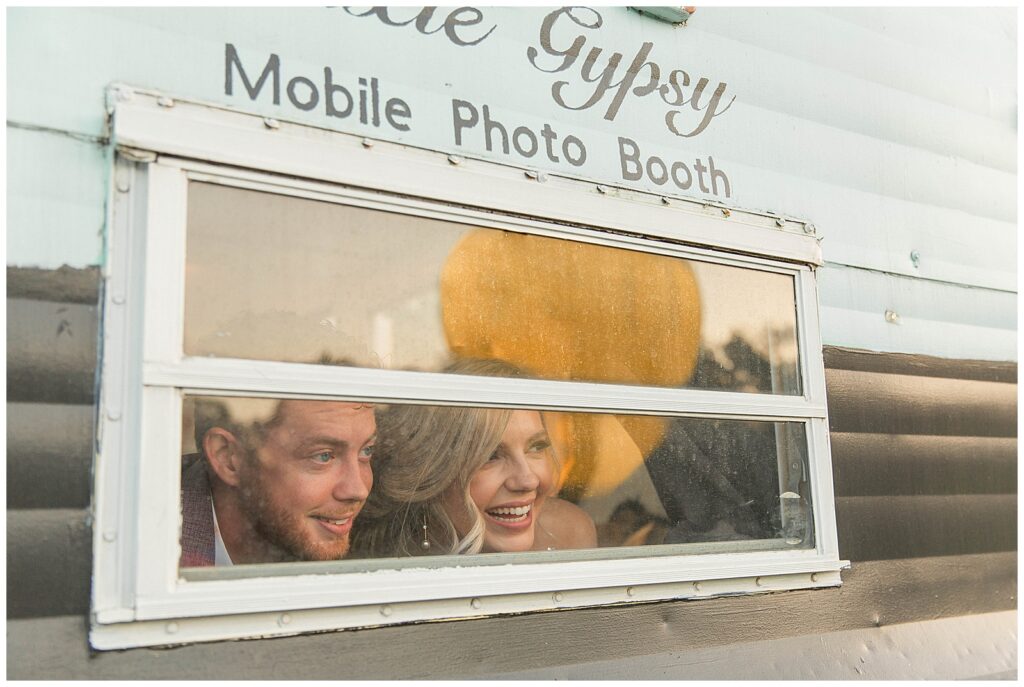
<point x="353" y="480"/>
<point x="522" y="476"/>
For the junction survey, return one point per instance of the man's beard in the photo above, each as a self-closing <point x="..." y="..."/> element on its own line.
<point x="282" y="529"/>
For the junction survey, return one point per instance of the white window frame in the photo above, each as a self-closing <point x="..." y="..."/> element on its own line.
<point x="139" y="596"/>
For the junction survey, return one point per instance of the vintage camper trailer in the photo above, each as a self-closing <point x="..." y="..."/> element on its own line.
<point x="749" y="276"/>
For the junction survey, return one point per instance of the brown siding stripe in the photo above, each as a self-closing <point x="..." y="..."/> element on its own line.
<point x="886" y="527"/>
<point x="49" y="455"/>
<point x="877" y="593"/>
<point x="902" y="404"/>
<point x="49" y="562"/>
<point x="919" y="464"/>
<point x="64" y="284"/>
<point x="919" y="365"/>
<point x="51" y="351"/>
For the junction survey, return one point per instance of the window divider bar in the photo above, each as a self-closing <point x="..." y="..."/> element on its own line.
<point x="224" y="376"/>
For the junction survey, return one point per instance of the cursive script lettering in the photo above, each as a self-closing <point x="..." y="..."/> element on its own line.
<point x="641" y="78"/>
<point x="456" y="18"/>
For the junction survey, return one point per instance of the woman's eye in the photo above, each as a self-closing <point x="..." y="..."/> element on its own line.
<point x="323" y="457"/>
<point x="493" y="457"/>
<point x="539" y="446"/>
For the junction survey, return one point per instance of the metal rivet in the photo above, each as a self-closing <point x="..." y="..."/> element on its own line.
<point x="164" y="101"/>
<point x="171" y="628"/>
<point x="557" y="596"/>
<point x="271" y="123"/>
<point x="455" y="159"/>
<point x="726" y="212"/>
<point x="814" y="577"/>
<point x="602" y="188"/>
<point x="385" y="610"/>
<point x="285" y="619"/>
<point x="367" y="143"/>
<point x="630" y="591"/>
<point x="475" y="603"/>
<point x="118" y="299"/>
<point x="759" y="582"/>
<point x="915" y="257"/>
<point x="892" y="317"/>
<point x="122" y="186"/>
<point x="665" y="201"/>
<point x="779" y="222"/>
<point x="113" y="415"/>
<point x="809" y="228"/>
<point x="696" y="586"/>
<point x="110" y="536"/>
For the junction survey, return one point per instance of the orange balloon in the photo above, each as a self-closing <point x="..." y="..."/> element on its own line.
<point x="576" y="311"/>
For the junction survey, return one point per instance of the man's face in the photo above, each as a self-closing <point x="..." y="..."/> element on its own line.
<point x="303" y="486"/>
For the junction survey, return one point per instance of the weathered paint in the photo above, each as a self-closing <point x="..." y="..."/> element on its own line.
<point x="936" y="318"/>
<point x="56" y="190"/>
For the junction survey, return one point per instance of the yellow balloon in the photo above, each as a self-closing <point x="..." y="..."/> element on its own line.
<point x="582" y="312"/>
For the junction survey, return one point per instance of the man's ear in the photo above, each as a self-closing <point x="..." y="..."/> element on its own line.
<point x="225" y="454"/>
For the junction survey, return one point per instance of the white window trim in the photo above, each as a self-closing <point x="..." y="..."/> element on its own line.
<point x="139" y="599"/>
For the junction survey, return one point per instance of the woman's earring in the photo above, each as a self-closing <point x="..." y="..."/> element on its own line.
<point x="426" y="542"/>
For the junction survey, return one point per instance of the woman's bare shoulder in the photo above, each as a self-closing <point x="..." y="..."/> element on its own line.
<point x="564" y="525"/>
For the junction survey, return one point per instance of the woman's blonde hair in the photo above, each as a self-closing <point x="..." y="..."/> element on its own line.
<point x="421" y="453"/>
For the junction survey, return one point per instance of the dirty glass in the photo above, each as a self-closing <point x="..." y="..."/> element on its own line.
<point x="272" y="277"/>
<point x="278" y="481"/>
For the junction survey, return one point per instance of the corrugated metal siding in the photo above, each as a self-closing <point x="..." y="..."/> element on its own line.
<point x="926" y="493"/>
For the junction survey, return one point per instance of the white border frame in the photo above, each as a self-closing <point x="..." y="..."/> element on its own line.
<point x="139" y="598"/>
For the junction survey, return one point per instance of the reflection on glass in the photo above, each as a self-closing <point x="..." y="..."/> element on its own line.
<point x="267" y="480"/>
<point x="272" y="277"/>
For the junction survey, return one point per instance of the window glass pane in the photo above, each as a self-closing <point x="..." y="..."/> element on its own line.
<point x="280" y="481"/>
<point x="271" y="277"/>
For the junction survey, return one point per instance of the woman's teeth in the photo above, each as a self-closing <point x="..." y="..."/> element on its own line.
<point x="511" y="514"/>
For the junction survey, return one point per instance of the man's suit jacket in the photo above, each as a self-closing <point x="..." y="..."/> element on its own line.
<point x="197" y="538"/>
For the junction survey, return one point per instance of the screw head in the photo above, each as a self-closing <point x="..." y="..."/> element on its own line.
<point x="271" y="123"/>
<point x="455" y="159"/>
<point x="779" y="222"/>
<point x="602" y="188"/>
<point x="367" y="143"/>
<point x="285" y="619"/>
<point x="171" y="628"/>
<point x="915" y="257"/>
<point x="557" y="596"/>
<point x="809" y="228"/>
<point x="476" y="603"/>
<point x="892" y="317"/>
<point x="164" y="101"/>
<point x="385" y="610"/>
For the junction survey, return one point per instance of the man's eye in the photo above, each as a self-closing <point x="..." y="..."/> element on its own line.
<point x="323" y="457"/>
<point x="367" y="452"/>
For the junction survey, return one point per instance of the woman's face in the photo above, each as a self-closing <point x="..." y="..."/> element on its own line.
<point x="510" y="488"/>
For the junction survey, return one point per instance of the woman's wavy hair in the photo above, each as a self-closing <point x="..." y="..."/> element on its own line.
<point x="421" y="452"/>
